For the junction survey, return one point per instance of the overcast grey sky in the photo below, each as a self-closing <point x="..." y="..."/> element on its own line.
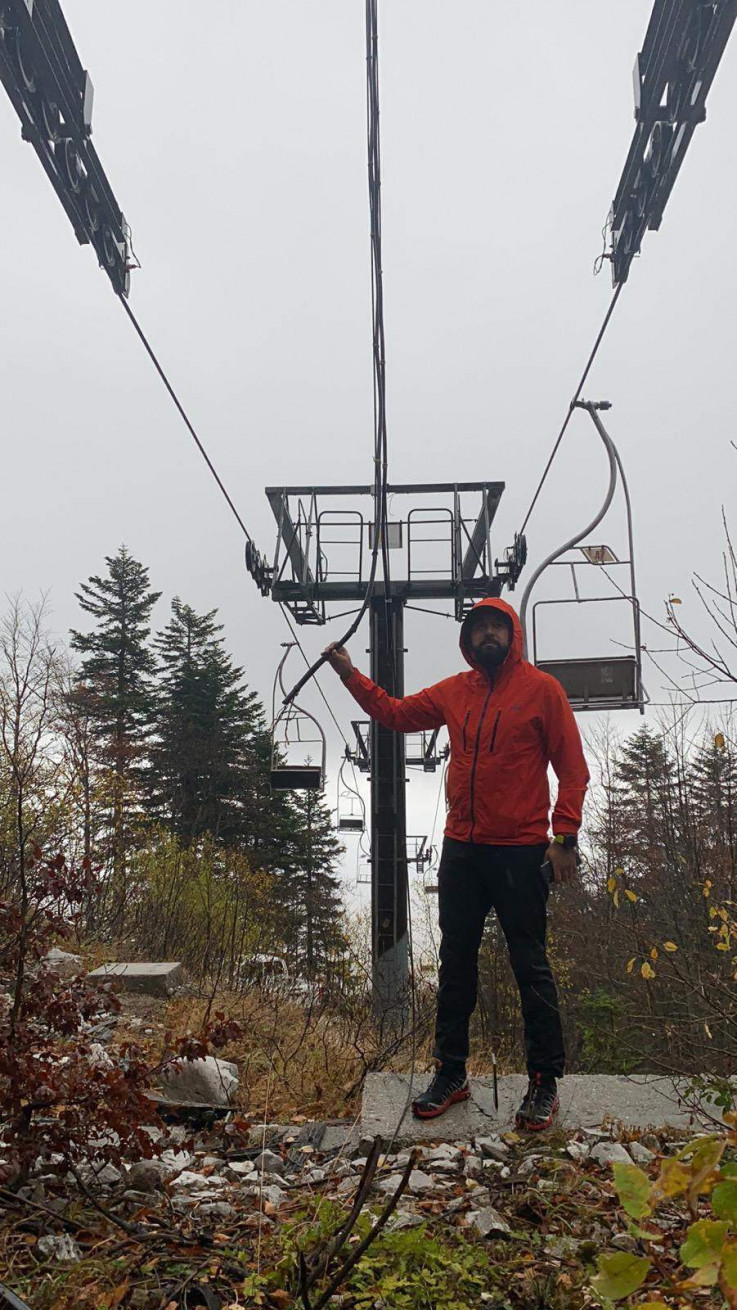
<point x="234" y="138"/>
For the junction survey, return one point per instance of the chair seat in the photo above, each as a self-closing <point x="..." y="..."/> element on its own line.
<point x="610" y="683"/>
<point x="297" y="777"/>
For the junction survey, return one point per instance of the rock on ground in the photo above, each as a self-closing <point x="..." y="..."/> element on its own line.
<point x="640" y="1154"/>
<point x="610" y="1153"/>
<point x="208" y="1081"/>
<point x="147" y="1175"/>
<point x="489" y="1223"/>
<point x="63" y="962"/>
<point x="269" y="1162"/>
<point x="59" y="1246"/>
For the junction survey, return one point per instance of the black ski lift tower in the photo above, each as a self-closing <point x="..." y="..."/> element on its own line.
<point x="421" y="750"/>
<point x="439" y="536"/>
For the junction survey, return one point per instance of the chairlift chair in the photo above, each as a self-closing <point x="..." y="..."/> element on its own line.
<point x="363" y="877"/>
<point x="421" y="750"/>
<point x="351" y="811"/>
<point x="295" y="735"/>
<point x="605" y="682"/>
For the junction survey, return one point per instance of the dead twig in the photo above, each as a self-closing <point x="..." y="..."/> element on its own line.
<point x="318" y="1263"/>
<point x="370" y="1237"/>
<point x="14" y="1199"/>
<point x="130" y="1229"/>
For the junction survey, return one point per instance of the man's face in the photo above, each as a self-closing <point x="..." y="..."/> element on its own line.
<point x="490" y="637"/>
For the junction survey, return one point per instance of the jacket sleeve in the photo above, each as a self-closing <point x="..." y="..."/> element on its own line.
<point x="565" y="753"/>
<point x="410" y="714"/>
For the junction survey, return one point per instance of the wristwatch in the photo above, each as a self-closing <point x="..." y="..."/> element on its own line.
<point x="568" y="841"/>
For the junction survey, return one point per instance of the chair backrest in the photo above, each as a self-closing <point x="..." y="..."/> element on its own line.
<point x="297" y="777"/>
<point x="597" y="683"/>
<point x="351" y="823"/>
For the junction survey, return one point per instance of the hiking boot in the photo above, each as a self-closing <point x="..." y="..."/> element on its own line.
<point x="539" y="1105"/>
<point x="446" y="1089"/>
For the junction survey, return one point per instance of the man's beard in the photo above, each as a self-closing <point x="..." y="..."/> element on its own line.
<point x="490" y="655"/>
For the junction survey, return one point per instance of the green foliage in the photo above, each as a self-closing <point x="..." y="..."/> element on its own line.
<point x="724" y="1201"/>
<point x="620" y="1274"/>
<point x="183" y="749"/>
<point x="414" y="1270"/>
<point x="704" y="1243"/>
<point x="205" y="774"/>
<point x="309" y="891"/>
<point x="411" y="1269"/>
<point x="203" y="904"/>
<point x="604" y="1021"/>
<point x="117" y="664"/>
<point x="710" y="1248"/>
<point x="633" y="1188"/>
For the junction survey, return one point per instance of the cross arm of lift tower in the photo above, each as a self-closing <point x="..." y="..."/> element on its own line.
<point x="51" y="93"/>
<point x="674" y="71"/>
<point x="323" y="552"/>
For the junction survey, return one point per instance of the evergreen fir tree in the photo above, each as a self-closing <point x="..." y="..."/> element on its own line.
<point x="116" y="671"/>
<point x="713" y="785"/>
<point x="645" y="804"/>
<point x="310" y="888"/>
<point x="209" y="770"/>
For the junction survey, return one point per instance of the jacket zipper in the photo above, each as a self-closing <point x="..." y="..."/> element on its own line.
<point x="465" y="725"/>
<point x="475" y="760"/>
<point x="494" y="731"/>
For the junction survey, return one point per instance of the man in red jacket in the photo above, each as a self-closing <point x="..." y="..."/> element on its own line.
<point x="507" y="722"/>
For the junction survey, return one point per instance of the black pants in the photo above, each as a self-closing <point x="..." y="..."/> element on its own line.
<point x="471" y="880"/>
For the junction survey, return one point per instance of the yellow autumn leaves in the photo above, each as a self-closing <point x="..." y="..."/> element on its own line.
<point x="613" y="887"/>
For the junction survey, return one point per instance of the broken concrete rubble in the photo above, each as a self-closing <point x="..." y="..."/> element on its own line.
<point x="489" y="1223"/>
<point x="58" y="1246"/>
<point x="64" y="963"/>
<point x="158" y="978"/>
<point x="207" y="1081"/>
<point x="610" y="1153"/>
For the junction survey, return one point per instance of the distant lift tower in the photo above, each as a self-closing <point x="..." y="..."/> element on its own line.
<point x="440" y="550"/>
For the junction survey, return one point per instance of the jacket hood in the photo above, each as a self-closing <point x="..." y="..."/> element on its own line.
<point x="517" y="646"/>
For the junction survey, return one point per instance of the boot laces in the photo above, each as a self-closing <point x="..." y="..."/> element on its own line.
<point x="444" y="1083"/>
<point x="539" y="1090"/>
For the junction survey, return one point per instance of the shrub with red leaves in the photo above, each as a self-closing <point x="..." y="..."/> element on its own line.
<point x="61" y="1094"/>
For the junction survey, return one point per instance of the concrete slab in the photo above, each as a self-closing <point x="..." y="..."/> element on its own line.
<point x="643" y="1101"/>
<point x="159" y="978"/>
<point x="339" y="1136"/>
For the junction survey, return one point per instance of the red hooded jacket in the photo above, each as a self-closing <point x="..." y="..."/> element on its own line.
<point x="503" y="735"/>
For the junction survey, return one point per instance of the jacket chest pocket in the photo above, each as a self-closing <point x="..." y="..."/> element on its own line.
<point x="494" y="730"/>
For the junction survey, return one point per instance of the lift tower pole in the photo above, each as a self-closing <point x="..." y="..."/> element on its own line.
<point x="389" y="877"/>
<point x="441" y="551"/>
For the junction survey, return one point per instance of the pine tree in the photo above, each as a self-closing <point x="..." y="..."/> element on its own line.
<point x="645" y="803"/>
<point x="209" y="770"/>
<point x="713" y="785"/>
<point x="116" y="672"/>
<point x="202" y="761"/>
<point x="310" y="889"/>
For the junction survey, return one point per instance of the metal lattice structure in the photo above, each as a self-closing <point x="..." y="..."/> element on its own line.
<point x="52" y="94"/>
<point x="440" y="546"/>
<point x="683" y="46"/>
